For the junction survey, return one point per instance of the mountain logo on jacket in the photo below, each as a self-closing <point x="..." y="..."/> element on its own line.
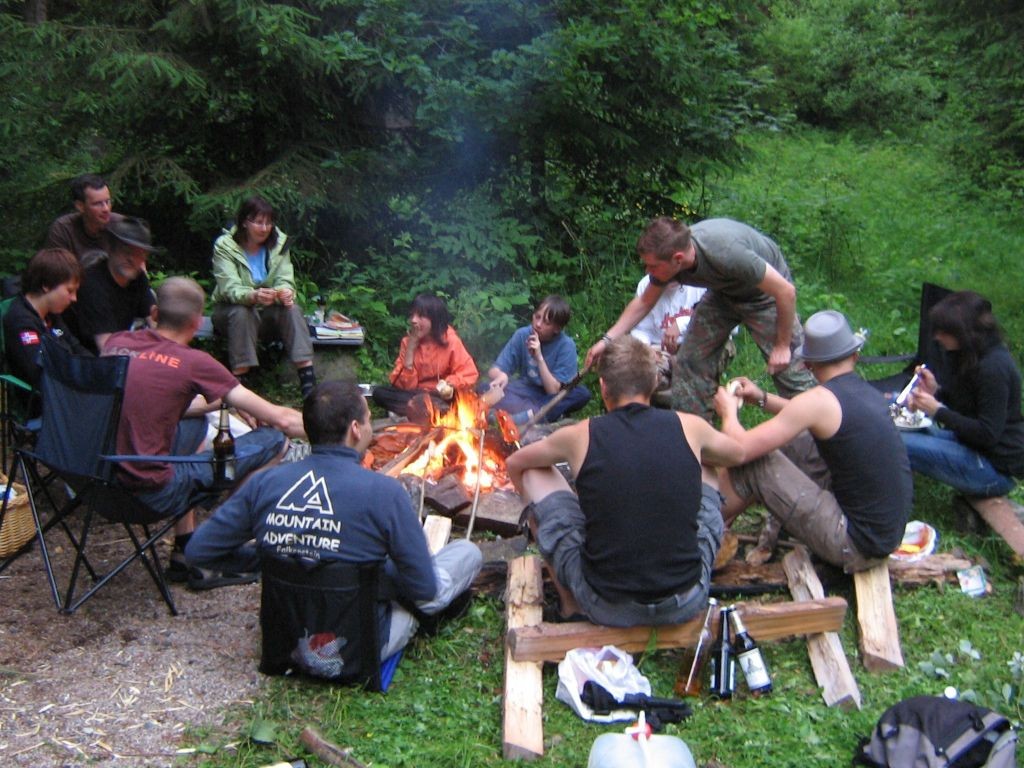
<point x="308" y="494"/>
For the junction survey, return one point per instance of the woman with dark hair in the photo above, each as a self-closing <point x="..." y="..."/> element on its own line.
<point x="255" y="293"/>
<point x="49" y="285"/>
<point x="432" y="360"/>
<point x="976" y="441"/>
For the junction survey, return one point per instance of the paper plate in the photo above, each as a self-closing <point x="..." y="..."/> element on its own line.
<point x="919" y="541"/>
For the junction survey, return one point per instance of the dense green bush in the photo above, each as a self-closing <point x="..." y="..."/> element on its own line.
<point x="848" y="62"/>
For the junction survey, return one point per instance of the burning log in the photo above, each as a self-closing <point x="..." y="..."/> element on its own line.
<point x="396" y="465"/>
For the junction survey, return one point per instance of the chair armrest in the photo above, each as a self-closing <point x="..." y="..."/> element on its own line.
<point x="241" y="452"/>
<point x="13" y="380"/>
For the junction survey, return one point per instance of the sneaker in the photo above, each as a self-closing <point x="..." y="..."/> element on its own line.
<point x="200" y="579"/>
<point x="177" y="567"/>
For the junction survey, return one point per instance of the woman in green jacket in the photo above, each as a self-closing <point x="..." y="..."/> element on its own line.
<point x="255" y="293"/>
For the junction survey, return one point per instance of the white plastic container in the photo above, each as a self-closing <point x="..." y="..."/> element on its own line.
<point x="636" y="748"/>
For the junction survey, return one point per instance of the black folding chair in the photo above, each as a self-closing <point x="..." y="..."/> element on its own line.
<point x="322" y="620"/>
<point x="928" y="351"/>
<point x="77" y="441"/>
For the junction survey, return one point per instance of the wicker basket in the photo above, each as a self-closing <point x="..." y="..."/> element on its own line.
<point x="18" y="527"/>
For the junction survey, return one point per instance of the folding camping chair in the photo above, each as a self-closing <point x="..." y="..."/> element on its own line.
<point x="928" y="352"/>
<point x="321" y="619"/>
<point x="77" y="439"/>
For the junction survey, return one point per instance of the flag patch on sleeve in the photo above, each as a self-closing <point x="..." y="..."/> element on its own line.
<point x="28" y="338"/>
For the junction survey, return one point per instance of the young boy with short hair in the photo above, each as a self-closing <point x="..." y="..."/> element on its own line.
<point x="543" y="358"/>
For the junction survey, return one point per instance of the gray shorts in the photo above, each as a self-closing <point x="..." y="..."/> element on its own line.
<point x="560" y="527"/>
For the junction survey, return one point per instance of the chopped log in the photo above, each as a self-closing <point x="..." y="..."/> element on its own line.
<point x="737" y="573"/>
<point x="498" y="513"/>
<point x="394" y="467"/>
<point x="438" y="530"/>
<point x="1004" y="517"/>
<point x="828" y="660"/>
<point x="327" y="751"/>
<point x="771" y="576"/>
<point x="879" y="634"/>
<point x="769" y="621"/>
<point x="931" y="569"/>
<point x="448" y="495"/>
<point x="522" y="721"/>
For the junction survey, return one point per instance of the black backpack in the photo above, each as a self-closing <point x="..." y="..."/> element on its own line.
<point x="935" y="732"/>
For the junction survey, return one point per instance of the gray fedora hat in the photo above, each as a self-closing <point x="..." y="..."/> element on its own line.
<point x="132" y="231"/>
<point x="827" y="337"/>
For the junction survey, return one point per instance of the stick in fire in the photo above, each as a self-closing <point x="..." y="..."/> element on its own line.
<point x="546" y="409"/>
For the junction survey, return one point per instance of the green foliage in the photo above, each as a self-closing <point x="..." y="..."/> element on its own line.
<point x="983" y="123"/>
<point x="436" y="145"/>
<point x="849" y="62"/>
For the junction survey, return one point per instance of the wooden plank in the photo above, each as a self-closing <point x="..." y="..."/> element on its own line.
<point x="1004" y="517"/>
<point x="438" y="530"/>
<point x="769" y="621"/>
<point x="828" y="660"/>
<point x="879" y="634"/>
<point x="522" y="721"/>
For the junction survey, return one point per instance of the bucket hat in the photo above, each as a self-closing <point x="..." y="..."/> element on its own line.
<point x="827" y="336"/>
<point x="132" y="231"/>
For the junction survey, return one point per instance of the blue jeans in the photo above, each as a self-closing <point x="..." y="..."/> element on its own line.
<point x="252" y="451"/>
<point x="521" y="396"/>
<point x="936" y="453"/>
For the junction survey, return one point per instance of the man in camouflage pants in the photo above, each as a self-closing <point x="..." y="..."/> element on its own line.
<point x="748" y="282"/>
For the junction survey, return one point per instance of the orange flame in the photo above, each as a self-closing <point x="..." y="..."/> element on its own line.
<point x="463" y="425"/>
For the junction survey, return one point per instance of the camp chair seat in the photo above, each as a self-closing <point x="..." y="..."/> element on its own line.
<point x="323" y="619"/>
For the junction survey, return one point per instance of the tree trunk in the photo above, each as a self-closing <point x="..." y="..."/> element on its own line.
<point x="35" y="11"/>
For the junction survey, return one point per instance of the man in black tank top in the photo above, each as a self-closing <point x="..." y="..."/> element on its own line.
<point x="840" y="481"/>
<point x="636" y="546"/>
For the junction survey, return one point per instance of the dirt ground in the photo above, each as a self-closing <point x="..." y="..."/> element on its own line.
<point x="119" y="681"/>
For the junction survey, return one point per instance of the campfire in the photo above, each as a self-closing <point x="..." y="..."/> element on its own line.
<point x="456" y="445"/>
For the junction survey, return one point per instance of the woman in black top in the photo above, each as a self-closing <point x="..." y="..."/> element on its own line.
<point x="49" y="286"/>
<point x="976" y="441"/>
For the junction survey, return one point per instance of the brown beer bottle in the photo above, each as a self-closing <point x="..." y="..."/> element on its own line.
<point x="224" y="450"/>
<point x="690" y="680"/>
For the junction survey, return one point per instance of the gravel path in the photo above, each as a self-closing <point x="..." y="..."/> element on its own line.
<point x="119" y="681"/>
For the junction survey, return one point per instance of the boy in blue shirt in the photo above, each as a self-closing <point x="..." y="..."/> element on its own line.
<point x="544" y="358"/>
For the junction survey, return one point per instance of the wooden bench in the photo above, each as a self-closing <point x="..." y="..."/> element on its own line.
<point x="206" y="332"/>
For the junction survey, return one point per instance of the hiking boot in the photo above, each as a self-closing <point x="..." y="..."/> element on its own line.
<point x="201" y="579"/>
<point x="177" y="567"/>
